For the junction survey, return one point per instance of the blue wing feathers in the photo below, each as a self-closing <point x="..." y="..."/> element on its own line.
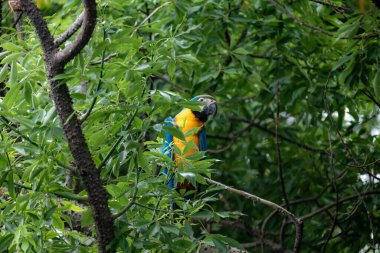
<point x="167" y="149"/>
<point x="203" y="140"/>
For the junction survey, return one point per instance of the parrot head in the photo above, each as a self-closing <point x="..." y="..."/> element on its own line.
<point x="208" y="109"/>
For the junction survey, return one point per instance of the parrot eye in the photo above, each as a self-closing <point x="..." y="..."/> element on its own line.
<point x="201" y="99"/>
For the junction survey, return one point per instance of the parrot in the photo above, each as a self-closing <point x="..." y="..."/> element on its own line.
<point x="188" y="120"/>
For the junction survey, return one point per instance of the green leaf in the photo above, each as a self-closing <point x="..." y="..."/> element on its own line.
<point x="241" y="51"/>
<point x="158" y="155"/>
<point x="76" y="208"/>
<point x="28" y="93"/>
<point x="188" y="146"/>
<point x="5" y="242"/>
<point x="48" y="117"/>
<point x="189" y="57"/>
<point x="171" y="68"/>
<point x="193" y="105"/>
<point x="189" y="176"/>
<point x="11" y="47"/>
<point x="4" y="72"/>
<point x="376" y="83"/>
<point x="13" y="75"/>
<point x="175" y="131"/>
<point x="11" y="186"/>
<point x="57" y="221"/>
<point x="11" y="58"/>
<point x="192" y="131"/>
<point x="35" y="172"/>
<point x="87" y="219"/>
<point x="171" y="229"/>
<point x="142" y="67"/>
<point x="50" y="212"/>
<point x="342" y="61"/>
<point x="195" y="156"/>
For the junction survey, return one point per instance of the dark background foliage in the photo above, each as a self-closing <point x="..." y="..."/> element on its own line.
<point x="297" y="83"/>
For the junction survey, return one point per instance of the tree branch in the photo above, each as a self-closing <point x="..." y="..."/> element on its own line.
<point x="82" y="38"/>
<point x="18" y="25"/>
<point x="46" y="39"/>
<point x="69" y="32"/>
<point x="341" y="201"/>
<point x="298" y="223"/>
<point x="335" y="7"/>
<point x="55" y="63"/>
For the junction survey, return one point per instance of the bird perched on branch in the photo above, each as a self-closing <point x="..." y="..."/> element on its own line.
<point x="191" y="124"/>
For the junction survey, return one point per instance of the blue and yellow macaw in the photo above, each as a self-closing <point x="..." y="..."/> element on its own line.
<point x="188" y="120"/>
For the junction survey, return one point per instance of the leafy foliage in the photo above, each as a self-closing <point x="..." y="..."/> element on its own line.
<point x="297" y="125"/>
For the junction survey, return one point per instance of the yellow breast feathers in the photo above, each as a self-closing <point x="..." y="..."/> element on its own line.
<point x="186" y="121"/>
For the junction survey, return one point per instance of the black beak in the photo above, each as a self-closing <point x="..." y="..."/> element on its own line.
<point x="211" y="109"/>
<point x="208" y="111"/>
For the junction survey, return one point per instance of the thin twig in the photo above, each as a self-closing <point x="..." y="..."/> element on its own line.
<point x="335" y="7"/>
<point x="231" y="137"/>
<point x="279" y="165"/>
<point x="332" y="167"/>
<point x="372" y="227"/>
<point x="175" y="85"/>
<point x="313" y="27"/>
<point x="298" y="20"/>
<point x="283" y="228"/>
<point x="107" y="58"/>
<point x="134" y="196"/>
<point x="118" y="141"/>
<point x="368" y="94"/>
<point x="18" y="19"/>
<point x="253" y="232"/>
<point x="5" y="122"/>
<point x="267" y="57"/>
<point x="62" y="194"/>
<point x="365" y="165"/>
<point x="149" y="16"/>
<point x="300" y="201"/>
<point x="335" y="217"/>
<point x="278" y="150"/>
<point x="95" y="98"/>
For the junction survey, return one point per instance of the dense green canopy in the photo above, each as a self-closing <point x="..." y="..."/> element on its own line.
<point x="298" y="91"/>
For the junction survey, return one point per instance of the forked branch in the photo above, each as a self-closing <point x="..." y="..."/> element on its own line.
<point x="69" y="32"/>
<point x="55" y="62"/>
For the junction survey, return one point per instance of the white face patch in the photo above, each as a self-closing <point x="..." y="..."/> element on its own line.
<point x="207" y="101"/>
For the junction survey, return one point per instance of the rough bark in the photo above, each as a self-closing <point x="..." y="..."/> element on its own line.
<point x="55" y="61"/>
<point x="17" y="15"/>
<point x="3" y="88"/>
